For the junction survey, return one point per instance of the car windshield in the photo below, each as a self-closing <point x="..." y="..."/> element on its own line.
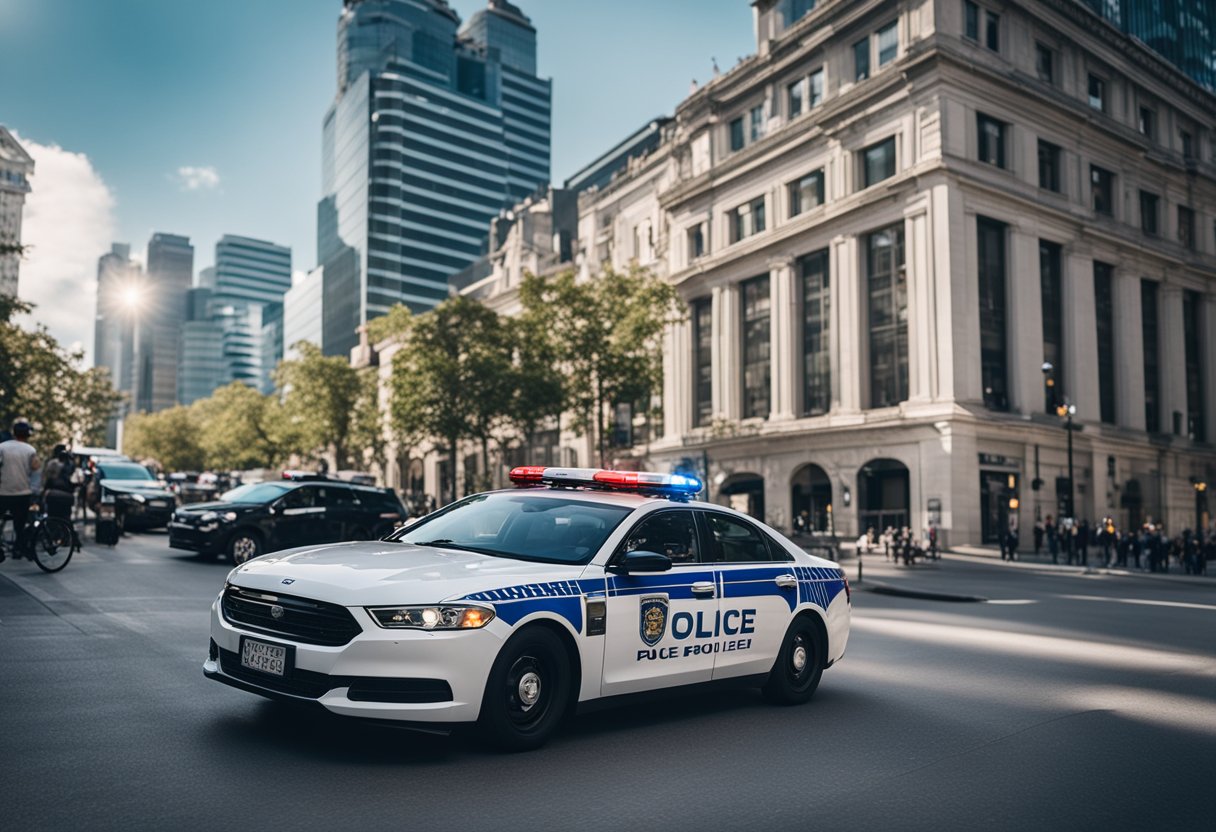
<point x="262" y="492"/>
<point x="520" y="525"/>
<point x="124" y="471"/>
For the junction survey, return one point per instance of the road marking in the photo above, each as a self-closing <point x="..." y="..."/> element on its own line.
<point x="1011" y="602"/>
<point x="1141" y="602"/>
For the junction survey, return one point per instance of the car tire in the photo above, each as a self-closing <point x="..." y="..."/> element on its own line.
<point x="796" y="673"/>
<point x="244" y="545"/>
<point x="528" y="691"/>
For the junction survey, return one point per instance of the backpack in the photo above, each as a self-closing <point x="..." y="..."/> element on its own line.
<point x="63" y="482"/>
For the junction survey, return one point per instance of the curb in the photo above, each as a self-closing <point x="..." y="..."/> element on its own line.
<point x="900" y="592"/>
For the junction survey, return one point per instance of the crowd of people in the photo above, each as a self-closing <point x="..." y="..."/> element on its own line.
<point x="1148" y="547"/>
<point x="901" y="544"/>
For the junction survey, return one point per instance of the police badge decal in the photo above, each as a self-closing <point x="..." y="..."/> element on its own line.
<point x="653" y="618"/>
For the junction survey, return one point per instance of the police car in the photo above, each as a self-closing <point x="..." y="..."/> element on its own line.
<point x="510" y="608"/>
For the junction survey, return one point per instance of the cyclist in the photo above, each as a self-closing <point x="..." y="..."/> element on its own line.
<point x="57" y="488"/>
<point x="18" y="461"/>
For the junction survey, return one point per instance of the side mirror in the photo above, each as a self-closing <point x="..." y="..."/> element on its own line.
<point x="640" y="561"/>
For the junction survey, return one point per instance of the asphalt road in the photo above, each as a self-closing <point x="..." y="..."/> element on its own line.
<point x="1068" y="702"/>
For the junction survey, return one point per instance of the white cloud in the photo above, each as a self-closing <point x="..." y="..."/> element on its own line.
<point x="68" y="223"/>
<point x="192" y="178"/>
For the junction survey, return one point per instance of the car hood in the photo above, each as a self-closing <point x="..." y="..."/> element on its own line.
<point x="379" y="573"/>
<point x="148" y="489"/>
<point x="218" y="505"/>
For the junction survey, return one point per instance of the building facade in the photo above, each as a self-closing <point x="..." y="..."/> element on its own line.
<point x="203" y="367"/>
<point x="251" y="279"/>
<point x="1181" y="31"/>
<point x="302" y="312"/>
<point x="16" y="167"/>
<point x="158" y="322"/>
<point x="119" y="281"/>
<point x="434" y="130"/>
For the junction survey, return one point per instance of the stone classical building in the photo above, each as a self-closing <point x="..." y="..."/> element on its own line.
<point x="16" y="166"/>
<point x="908" y="231"/>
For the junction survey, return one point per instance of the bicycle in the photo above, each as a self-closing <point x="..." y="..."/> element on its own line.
<point x="50" y="542"/>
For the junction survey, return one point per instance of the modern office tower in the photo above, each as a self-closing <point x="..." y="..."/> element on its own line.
<point x="16" y="166"/>
<point x="1181" y="31"/>
<point x="249" y="276"/>
<point x="119" y="282"/>
<point x="272" y="343"/>
<point x="202" y="364"/>
<point x="159" y="319"/>
<point x="435" y="129"/>
<point x="302" y="313"/>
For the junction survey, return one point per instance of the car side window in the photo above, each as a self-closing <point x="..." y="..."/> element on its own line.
<point x="672" y="533"/>
<point x="300" y="498"/>
<point x="733" y="541"/>
<point x="337" y="497"/>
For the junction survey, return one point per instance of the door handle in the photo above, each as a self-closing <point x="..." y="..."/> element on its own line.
<point x="703" y="589"/>
<point x="786" y="581"/>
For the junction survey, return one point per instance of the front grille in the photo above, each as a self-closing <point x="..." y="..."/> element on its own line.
<point x="313" y="685"/>
<point x="298" y="619"/>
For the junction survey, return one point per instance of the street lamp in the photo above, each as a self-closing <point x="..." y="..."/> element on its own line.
<point x="1065" y="410"/>
<point x="1201" y="488"/>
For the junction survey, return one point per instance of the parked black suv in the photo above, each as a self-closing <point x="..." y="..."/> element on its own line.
<point x="264" y="517"/>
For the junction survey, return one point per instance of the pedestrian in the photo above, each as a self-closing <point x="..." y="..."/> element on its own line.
<point x="1083" y="543"/>
<point x="18" y="462"/>
<point x="1053" y="539"/>
<point x="1011" y="543"/>
<point x="57" y="487"/>
<point x="1106" y="538"/>
<point x="1038" y="536"/>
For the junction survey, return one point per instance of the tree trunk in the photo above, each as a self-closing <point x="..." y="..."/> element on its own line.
<point x="485" y="463"/>
<point x="452" y="441"/>
<point x="599" y="420"/>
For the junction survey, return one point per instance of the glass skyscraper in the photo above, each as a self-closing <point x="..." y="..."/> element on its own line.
<point x="1181" y="31"/>
<point x="435" y="129"/>
<point x="251" y="278"/>
<point x="159" y="321"/>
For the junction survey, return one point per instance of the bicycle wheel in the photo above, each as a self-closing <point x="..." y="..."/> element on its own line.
<point x="54" y="543"/>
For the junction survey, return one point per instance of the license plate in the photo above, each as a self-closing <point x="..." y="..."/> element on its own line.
<point x="263" y="657"/>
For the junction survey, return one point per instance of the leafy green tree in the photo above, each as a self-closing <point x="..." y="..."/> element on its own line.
<point x="539" y="394"/>
<point x="367" y="436"/>
<point x="171" y="437"/>
<point x="320" y="394"/>
<point x="242" y="428"/>
<point x="607" y="333"/>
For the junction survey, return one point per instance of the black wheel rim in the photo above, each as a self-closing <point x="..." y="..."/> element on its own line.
<point x="244" y="547"/>
<point x="529" y="691"/>
<point x="800" y="663"/>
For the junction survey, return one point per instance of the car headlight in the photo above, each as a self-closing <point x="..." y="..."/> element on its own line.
<point x="213" y="516"/>
<point x="436" y="617"/>
<point x="136" y="498"/>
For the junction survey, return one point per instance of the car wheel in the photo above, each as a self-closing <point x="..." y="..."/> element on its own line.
<point x="243" y="546"/>
<point x="528" y="691"/>
<point x="799" y="665"/>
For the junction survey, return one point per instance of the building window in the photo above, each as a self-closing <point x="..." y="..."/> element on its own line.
<point x="888" y="43"/>
<point x="1186" y="226"/>
<point x="888" y="316"/>
<point x="1051" y="295"/>
<point x="1102" y="184"/>
<point x="991" y="140"/>
<point x="1188" y="145"/>
<point x="756" y="347"/>
<point x="756" y="122"/>
<point x="816" y="332"/>
<point x="747" y="220"/>
<point x="1195" y="415"/>
<point x="816" y="89"/>
<point x="1045" y="63"/>
<point x="806" y="193"/>
<point x="736" y="134"/>
<point x="1049" y="166"/>
<point x="992" y="32"/>
<point x="795" y="10"/>
<point x="1097" y="93"/>
<point x="990" y="238"/>
<point x="696" y="241"/>
<point x="1148" y="122"/>
<point x="1104" y="314"/>
<point x="1148" y="212"/>
<point x="861" y="59"/>
<point x="971" y="20"/>
<point x="793" y="97"/>
<point x="703" y="347"/>
<point x="1152" y="363"/>
<point x="878" y="162"/>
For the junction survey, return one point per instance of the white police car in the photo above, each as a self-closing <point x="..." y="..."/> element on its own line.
<point x="509" y="608"/>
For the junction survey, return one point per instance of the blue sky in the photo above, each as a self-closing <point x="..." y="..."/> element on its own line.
<point x="234" y="91"/>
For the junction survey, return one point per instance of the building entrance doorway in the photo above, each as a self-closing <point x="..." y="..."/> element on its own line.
<point x="997" y="488"/>
<point x="745" y="493"/>
<point x="883" y="495"/>
<point x="811" y="500"/>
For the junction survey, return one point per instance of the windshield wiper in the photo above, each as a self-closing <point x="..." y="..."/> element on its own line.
<point x="448" y="543"/>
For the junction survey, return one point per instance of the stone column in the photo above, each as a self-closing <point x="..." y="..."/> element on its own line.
<point x="783" y="335"/>
<point x="918" y="262"/>
<point x="1172" y="357"/>
<point x="1080" y="335"/>
<point x="677" y="379"/>
<point x="727" y="381"/>
<point x="1129" y="351"/>
<point x="1207" y="364"/>
<point x="847" y="330"/>
<point x="1024" y="323"/>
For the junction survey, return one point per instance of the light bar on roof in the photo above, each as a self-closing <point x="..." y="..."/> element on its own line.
<point x="674" y="485"/>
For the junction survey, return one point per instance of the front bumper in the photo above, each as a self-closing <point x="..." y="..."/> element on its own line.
<point x="444" y="673"/>
<point x="185" y="536"/>
<point x="146" y="515"/>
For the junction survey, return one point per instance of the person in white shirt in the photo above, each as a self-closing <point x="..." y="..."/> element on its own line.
<point x="18" y="462"/>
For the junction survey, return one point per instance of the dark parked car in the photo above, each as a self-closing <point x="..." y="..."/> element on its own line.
<point x="264" y="517"/>
<point x="140" y="500"/>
